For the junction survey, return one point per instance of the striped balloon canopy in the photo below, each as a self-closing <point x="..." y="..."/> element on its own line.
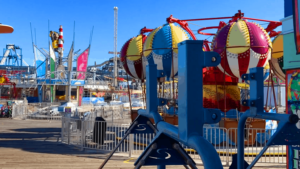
<point x="242" y="45"/>
<point x="277" y="58"/>
<point x="160" y="48"/>
<point x="131" y="57"/>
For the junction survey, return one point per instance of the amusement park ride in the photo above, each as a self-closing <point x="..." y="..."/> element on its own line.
<point x="239" y="53"/>
<point x="12" y="56"/>
<point x="241" y="44"/>
<point x="9" y="58"/>
<point x="208" y="76"/>
<point x="192" y="115"/>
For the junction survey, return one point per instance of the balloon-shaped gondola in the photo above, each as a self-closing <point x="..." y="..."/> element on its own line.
<point x="160" y="48"/>
<point x="131" y="57"/>
<point x="242" y="45"/>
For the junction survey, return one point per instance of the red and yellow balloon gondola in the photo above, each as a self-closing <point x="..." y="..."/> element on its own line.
<point x="131" y="57"/>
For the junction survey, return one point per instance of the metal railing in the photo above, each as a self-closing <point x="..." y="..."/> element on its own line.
<point x="101" y="135"/>
<point x="50" y="111"/>
<point x="23" y="78"/>
<point x="255" y="140"/>
<point x="38" y="111"/>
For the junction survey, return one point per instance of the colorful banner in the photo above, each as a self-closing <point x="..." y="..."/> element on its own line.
<point x="276" y="81"/>
<point x="82" y="62"/>
<point x="40" y="62"/>
<point x="296" y="18"/>
<point x="293" y="107"/>
<point x="52" y="69"/>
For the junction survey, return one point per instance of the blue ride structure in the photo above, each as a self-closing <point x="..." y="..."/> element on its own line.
<point x="165" y="148"/>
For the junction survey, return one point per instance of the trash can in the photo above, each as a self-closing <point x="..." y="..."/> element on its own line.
<point x="99" y="131"/>
<point x="68" y="111"/>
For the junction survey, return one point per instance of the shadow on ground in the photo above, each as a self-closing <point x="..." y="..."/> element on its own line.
<point x="38" y="130"/>
<point x="39" y="140"/>
<point x="46" y="140"/>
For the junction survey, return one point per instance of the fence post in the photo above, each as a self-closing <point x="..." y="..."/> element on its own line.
<point x="227" y="147"/>
<point x="24" y="111"/>
<point x="112" y="114"/>
<point x="62" y="130"/>
<point x="69" y="132"/>
<point x="82" y="134"/>
<point x="131" y="140"/>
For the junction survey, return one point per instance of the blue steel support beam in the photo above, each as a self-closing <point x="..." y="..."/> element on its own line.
<point x="151" y="95"/>
<point x="151" y="91"/>
<point x="286" y="126"/>
<point x="206" y="151"/>
<point x="191" y="114"/>
<point x="191" y="61"/>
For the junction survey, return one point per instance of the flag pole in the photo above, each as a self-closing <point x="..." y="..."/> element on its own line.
<point x="70" y="58"/>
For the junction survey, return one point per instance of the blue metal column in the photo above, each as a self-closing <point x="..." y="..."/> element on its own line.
<point x="257" y="100"/>
<point x="151" y="93"/>
<point x="190" y="103"/>
<point x="285" y="133"/>
<point x="193" y="116"/>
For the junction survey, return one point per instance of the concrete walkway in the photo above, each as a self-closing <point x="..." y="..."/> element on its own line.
<point x="35" y="144"/>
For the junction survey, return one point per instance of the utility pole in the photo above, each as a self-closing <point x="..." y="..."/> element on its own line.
<point x="115" y="47"/>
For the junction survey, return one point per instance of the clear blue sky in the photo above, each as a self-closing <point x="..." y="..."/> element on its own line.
<point x="133" y="15"/>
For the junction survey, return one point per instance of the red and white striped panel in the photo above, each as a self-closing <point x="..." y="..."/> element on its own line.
<point x="236" y="65"/>
<point x="135" y="68"/>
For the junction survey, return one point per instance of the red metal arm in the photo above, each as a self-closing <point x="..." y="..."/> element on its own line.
<point x="202" y="19"/>
<point x="183" y="24"/>
<point x="263" y="20"/>
<point x="272" y="26"/>
<point x="205" y="45"/>
<point x="238" y="15"/>
<point x="145" y="30"/>
<point x="274" y="33"/>
<point x="206" y="28"/>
